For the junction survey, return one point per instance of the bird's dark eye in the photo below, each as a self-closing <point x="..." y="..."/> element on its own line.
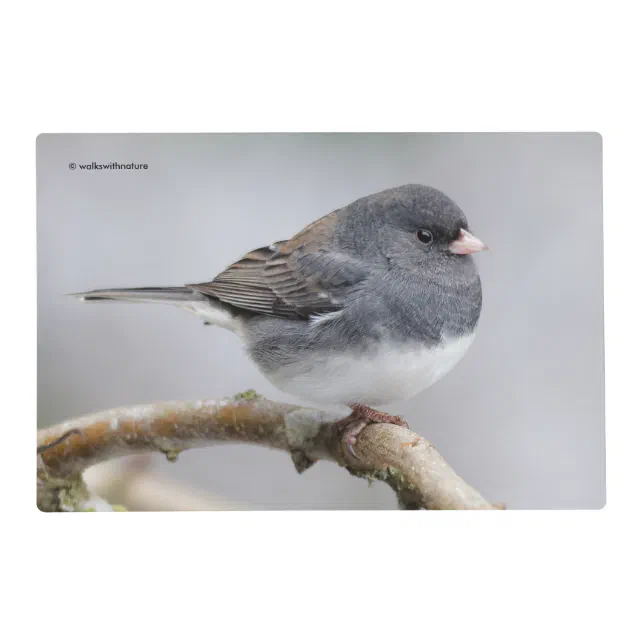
<point x="425" y="236"/>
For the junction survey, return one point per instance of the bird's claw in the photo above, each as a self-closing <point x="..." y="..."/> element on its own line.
<point x="354" y="423"/>
<point x="350" y="441"/>
<point x="348" y="429"/>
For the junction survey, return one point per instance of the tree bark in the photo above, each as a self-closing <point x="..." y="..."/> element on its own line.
<point x="409" y="464"/>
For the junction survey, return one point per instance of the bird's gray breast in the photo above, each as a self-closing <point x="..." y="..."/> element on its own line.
<point x="423" y="309"/>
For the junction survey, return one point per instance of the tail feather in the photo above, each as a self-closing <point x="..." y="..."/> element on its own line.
<point x="209" y="309"/>
<point x="169" y="294"/>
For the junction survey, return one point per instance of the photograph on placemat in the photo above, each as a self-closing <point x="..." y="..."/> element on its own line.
<point x="320" y="321"/>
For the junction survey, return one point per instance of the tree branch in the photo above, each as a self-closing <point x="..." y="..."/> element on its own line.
<point x="409" y="464"/>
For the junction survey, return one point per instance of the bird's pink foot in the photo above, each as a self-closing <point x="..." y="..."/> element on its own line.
<point x="358" y="419"/>
<point x="375" y="416"/>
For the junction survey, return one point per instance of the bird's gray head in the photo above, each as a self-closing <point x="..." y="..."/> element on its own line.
<point x="412" y="227"/>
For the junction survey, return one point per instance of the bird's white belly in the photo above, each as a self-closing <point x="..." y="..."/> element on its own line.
<point x="387" y="375"/>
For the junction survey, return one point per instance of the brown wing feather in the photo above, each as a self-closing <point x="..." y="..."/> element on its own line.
<point x="292" y="279"/>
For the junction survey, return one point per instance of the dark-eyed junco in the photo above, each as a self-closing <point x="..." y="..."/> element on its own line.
<point x="368" y="305"/>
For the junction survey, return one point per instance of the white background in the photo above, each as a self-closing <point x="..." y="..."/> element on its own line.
<point x="458" y="577"/>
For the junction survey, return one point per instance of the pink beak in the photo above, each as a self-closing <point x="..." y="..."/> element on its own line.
<point x="466" y="244"/>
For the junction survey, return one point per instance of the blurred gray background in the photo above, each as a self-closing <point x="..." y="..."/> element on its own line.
<point x="521" y="418"/>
